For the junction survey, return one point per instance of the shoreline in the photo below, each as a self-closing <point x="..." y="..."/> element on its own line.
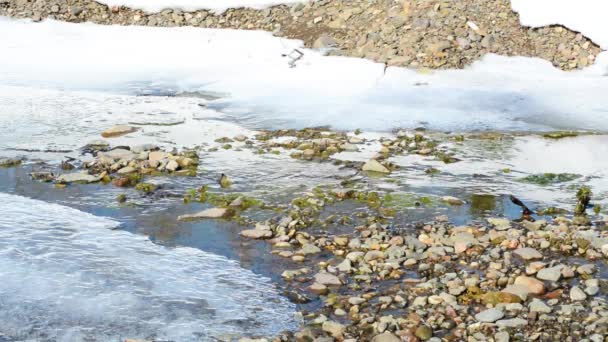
<point x="409" y="34"/>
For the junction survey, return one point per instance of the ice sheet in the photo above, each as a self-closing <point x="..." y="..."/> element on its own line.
<point x="496" y="93"/>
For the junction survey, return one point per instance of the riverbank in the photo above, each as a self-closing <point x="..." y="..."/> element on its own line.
<point x="415" y="34"/>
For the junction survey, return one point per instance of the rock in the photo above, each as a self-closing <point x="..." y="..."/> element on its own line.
<point x="345" y="266"/>
<point x="452" y="200"/>
<point x="126" y="170"/>
<point x="172" y="166"/>
<point x="327" y="279"/>
<point x="240" y="137"/>
<point x="576" y="294"/>
<point x="500" y="297"/>
<point x="9" y="162"/>
<point x="118" y="154"/>
<point x="309" y="248"/>
<point x="143" y="148"/>
<point x="118" y="130"/>
<point x="373" y="255"/>
<point x="78" y="177"/>
<point x="499" y="223"/>
<point x="324" y="42"/>
<point x="592" y="287"/>
<point x="386" y="337"/>
<point x="423" y="332"/>
<point x="375" y="166"/>
<point x="528" y="253"/>
<point x="212" y="213"/>
<point x="532" y="285"/>
<point x="260" y="232"/>
<point x="356" y="300"/>
<point x="318" y="288"/>
<point x="518" y="290"/>
<point x="502" y="336"/>
<point x="490" y="315"/>
<point x="586" y="269"/>
<point x="538" y="305"/>
<point x="550" y="274"/>
<point x="157" y="156"/>
<point x="512" y="323"/>
<point x="335" y="329"/>
<point x="43" y="176"/>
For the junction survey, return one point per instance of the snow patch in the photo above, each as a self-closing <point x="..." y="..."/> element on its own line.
<point x="253" y="68"/>
<point x="585" y="16"/>
<point x="218" y="6"/>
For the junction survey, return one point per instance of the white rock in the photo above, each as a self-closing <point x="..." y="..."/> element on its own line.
<point x="375" y="166"/>
<point x="490" y="315"/>
<point x="538" y="305"/>
<point x="212" y="213"/>
<point x="327" y="279"/>
<point x="576" y="294"/>
<point x="78" y="177"/>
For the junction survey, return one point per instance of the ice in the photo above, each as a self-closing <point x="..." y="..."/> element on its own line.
<point x="585" y="16"/>
<point x="263" y="91"/>
<point x="193" y="5"/>
<point x="66" y="276"/>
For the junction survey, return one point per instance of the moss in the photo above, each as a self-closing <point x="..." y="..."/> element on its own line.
<point x="506" y="170"/>
<point x="560" y="134"/>
<point x="481" y="203"/>
<point x="134" y="178"/>
<point x="432" y="171"/>
<point x="552" y="211"/>
<point x="583" y="197"/>
<point x="226" y="146"/>
<point x="9" y="162"/>
<point x="145" y="187"/>
<point x="446" y="157"/>
<point x="597" y="209"/>
<point x="122" y="198"/>
<point x="549" y="178"/>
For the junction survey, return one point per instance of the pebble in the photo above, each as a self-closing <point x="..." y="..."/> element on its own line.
<point x="490" y="315"/>
<point x="550" y="274"/>
<point x="576" y="294"/>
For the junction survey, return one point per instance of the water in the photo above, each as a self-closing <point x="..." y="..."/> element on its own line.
<point x="66" y="276"/>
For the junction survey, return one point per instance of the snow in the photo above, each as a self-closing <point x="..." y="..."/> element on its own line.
<point x="585" y="16"/>
<point x="151" y="6"/>
<point x="251" y="69"/>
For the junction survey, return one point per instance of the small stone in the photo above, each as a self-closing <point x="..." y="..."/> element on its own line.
<point x="490" y="315"/>
<point x="423" y="332"/>
<point x="550" y="274"/>
<point x="375" y="166"/>
<point x="356" y="300"/>
<point x="79" y="177"/>
<point x="499" y="223"/>
<point x="212" y="213"/>
<point x="532" y="285"/>
<point x="576" y="294"/>
<point x="334" y="328"/>
<point x="538" y="305"/>
<point x="502" y="336"/>
<point x="327" y="279"/>
<point x="386" y="337"/>
<point x="118" y="130"/>
<point x="126" y="170"/>
<point x="528" y="253"/>
<point x="452" y="200"/>
<point x="157" y="156"/>
<point x="172" y="166"/>
<point x="309" y="248"/>
<point x="324" y="42"/>
<point x="586" y="269"/>
<point x="318" y="288"/>
<point x="512" y="323"/>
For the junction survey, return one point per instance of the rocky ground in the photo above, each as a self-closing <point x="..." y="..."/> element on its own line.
<point x="538" y="278"/>
<point x="412" y="33"/>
